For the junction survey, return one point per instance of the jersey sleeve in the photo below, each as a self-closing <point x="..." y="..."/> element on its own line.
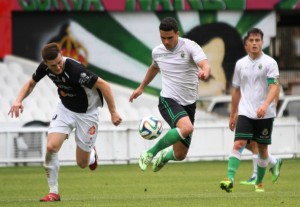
<point x="40" y="72"/>
<point x="272" y="72"/>
<point x="236" y="76"/>
<point x="154" y="63"/>
<point x="79" y="74"/>
<point x="196" y="51"/>
<point x="87" y="79"/>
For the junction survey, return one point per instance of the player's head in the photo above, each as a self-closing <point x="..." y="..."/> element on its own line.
<point x="53" y="58"/>
<point x="255" y="32"/>
<point x="169" y="33"/>
<point x="254" y="41"/>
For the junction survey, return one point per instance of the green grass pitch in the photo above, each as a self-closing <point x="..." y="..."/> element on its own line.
<point x="178" y="184"/>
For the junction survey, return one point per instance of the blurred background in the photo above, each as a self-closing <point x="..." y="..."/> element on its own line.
<point x="114" y="39"/>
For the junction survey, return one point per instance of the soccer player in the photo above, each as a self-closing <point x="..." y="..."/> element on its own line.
<point x="255" y="87"/>
<point x="275" y="163"/>
<point x="80" y="92"/>
<point x="181" y="63"/>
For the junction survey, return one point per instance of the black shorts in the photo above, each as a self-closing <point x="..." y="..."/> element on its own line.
<point x="259" y="130"/>
<point x="171" y="111"/>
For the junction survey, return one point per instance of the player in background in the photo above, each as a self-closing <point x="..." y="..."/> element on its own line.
<point x="81" y="93"/>
<point x="275" y="163"/>
<point x="181" y="63"/>
<point x="253" y="109"/>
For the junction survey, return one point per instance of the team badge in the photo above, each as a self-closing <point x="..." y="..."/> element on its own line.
<point x="260" y="66"/>
<point x="182" y="54"/>
<point x="265" y="132"/>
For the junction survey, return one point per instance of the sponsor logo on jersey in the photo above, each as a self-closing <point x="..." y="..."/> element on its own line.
<point x="92" y="130"/>
<point x="84" y="78"/>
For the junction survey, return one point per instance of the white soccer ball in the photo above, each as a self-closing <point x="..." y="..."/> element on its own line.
<point x="150" y="127"/>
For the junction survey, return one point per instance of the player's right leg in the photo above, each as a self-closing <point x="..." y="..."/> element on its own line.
<point x="51" y="165"/>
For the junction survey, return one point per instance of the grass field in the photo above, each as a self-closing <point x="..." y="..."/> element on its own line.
<point x="180" y="184"/>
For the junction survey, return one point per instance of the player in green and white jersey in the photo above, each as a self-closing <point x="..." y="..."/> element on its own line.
<point x="255" y="87"/>
<point x="181" y="63"/>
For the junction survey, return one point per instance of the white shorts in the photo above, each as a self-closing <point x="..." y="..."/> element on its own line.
<point x="85" y="124"/>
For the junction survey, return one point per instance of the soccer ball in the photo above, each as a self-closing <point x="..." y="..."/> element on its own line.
<point x="150" y="127"/>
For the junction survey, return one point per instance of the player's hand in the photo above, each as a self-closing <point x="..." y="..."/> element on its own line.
<point x="136" y="93"/>
<point x="16" y="109"/>
<point x="232" y="122"/>
<point x="116" y="118"/>
<point x="261" y="111"/>
<point x="203" y="75"/>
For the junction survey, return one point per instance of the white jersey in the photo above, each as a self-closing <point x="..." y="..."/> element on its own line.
<point x="179" y="70"/>
<point x="251" y="76"/>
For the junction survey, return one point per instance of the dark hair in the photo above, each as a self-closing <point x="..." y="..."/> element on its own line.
<point x="168" y="24"/>
<point x="255" y="31"/>
<point x="50" y="51"/>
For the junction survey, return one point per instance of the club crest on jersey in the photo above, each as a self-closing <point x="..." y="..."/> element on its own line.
<point x="182" y="54"/>
<point x="260" y="66"/>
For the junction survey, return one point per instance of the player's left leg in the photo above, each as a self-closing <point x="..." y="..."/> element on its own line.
<point x="85" y="158"/>
<point x="275" y="164"/>
<point x="179" y="118"/>
<point x="185" y="125"/>
<point x="85" y="136"/>
<point x="177" y="153"/>
<point x="262" y="164"/>
<point x="262" y="134"/>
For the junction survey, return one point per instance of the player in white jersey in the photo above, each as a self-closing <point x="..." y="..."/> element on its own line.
<point x="255" y="87"/>
<point x="275" y="163"/>
<point x="81" y="93"/>
<point x="181" y="63"/>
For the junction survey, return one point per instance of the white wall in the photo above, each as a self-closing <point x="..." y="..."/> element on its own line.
<point x="211" y="141"/>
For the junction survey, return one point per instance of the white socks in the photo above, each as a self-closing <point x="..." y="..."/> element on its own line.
<point x="272" y="160"/>
<point x="52" y="167"/>
<point x="92" y="157"/>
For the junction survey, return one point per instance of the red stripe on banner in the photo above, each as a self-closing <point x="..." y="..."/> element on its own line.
<point x="259" y="4"/>
<point x="5" y="28"/>
<point x="114" y="5"/>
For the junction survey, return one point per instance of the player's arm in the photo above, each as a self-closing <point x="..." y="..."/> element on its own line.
<point x="272" y="94"/>
<point x="235" y="99"/>
<point x="17" y="107"/>
<point x="151" y="73"/>
<point x="106" y="91"/>
<point x="204" y="73"/>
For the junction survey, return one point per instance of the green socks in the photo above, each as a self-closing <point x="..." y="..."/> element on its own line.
<point x="169" y="156"/>
<point x="233" y="165"/>
<point x="170" y="138"/>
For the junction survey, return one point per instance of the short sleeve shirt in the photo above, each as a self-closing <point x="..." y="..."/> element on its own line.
<point x="74" y="85"/>
<point x="251" y="76"/>
<point x="179" y="70"/>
